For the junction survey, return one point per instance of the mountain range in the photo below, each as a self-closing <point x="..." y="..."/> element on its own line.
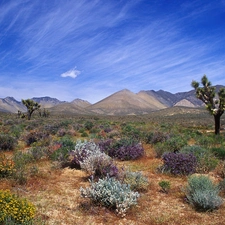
<point x="123" y="102"/>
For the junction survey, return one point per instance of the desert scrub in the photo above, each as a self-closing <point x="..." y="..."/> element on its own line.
<point x="165" y="186"/>
<point x="7" y="142"/>
<point x="62" y="153"/>
<point x="81" y="151"/>
<point x="156" y="137"/>
<point x="6" y="166"/>
<point x="202" y="193"/>
<point x="179" y="163"/>
<point x="99" y="165"/>
<point x="219" y="152"/>
<point x="123" y="149"/>
<point x="111" y="193"/>
<point x="88" y="156"/>
<point x="172" y="144"/>
<point x="206" y="161"/>
<point x="37" y="136"/>
<point x="136" y="180"/>
<point x="15" y="209"/>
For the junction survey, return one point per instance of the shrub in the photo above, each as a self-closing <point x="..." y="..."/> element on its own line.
<point x="6" y="166"/>
<point x="111" y="193"/>
<point x="20" y="163"/>
<point x="173" y="144"/>
<point x="219" y="152"/>
<point x="126" y="149"/>
<point x="136" y="180"/>
<point x="179" y="164"/>
<point x="99" y="164"/>
<point x="36" y="136"/>
<point x="160" y="149"/>
<point x="156" y="137"/>
<point x="52" y="128"/>
<point x="37" y="152"/>
<point x="7" y="142"/>
<point x="88" y="125"/>
<point x="131" y="131"/>
<point x="205" y="141"/>
<point x="222" y="185"/>
<point x="16" y="130"/>
<point x="202" y="193"/>
<point x="62" y="154"/>
<point x="206" y="161"/>
<point x="15" y="209"/>
<point x="105" y="145"/>
<point x="220" y="169"/>
<point x="165" y="186"/>
<point x="84" y="134"/>
<point x="82" y="151"/>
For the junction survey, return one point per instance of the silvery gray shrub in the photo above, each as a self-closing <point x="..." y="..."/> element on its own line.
<point x="202" y="193"/>
<point x="111" y="193"/>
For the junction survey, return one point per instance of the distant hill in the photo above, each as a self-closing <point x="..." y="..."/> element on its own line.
<point x="10" y="104"/>
<point x="123" y="102"/>
<point x="126" y="102"/>
<point x="47" y="102"/>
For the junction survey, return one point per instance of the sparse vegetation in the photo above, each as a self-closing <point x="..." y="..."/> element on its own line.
<point x="7" y="142"/>
<point x="50" y="161"/>
<point x="202" y="193"/>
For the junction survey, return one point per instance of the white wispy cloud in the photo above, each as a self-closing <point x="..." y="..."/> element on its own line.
<point x="116" y="43"/>
<point x="71" y="73"/>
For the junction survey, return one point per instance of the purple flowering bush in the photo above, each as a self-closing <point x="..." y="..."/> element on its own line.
<point x="179" y="163"/>
<point x="123" y="149"/>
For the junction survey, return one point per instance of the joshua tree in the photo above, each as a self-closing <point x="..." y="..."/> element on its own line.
<point x="215" y="102"/>
<point x="31" y="107"/>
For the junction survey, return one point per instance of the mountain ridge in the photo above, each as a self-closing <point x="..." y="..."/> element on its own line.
<point x="123" y="102"/>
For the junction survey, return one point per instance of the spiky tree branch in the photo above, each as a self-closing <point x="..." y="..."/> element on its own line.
<point x="207" y="94"/>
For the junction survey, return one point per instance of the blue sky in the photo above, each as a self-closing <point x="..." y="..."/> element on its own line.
<point x="90" y="49"/>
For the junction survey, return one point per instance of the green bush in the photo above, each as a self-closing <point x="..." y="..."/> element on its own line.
<point x="205" y="141"/>
<point x="7" y="142"/>
<point x="21" y="161"/>
<point x="15" y="210"/>
<point x="202" y="193"/>
<point x="219" y="152"/>
<point x="88" y="125"/>
<point x="111" y="193"/>
<point x="136" y="180"/>
<point x="165" y="186"/>
<point x="63" y="152"/>
<point x="172" y="144"/>
<point x="84" y="134"/>
<point x="206" y="161"/>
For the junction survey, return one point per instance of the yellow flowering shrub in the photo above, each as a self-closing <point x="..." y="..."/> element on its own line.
<point x="6" y="166"/>
<point x="15" y="209"/>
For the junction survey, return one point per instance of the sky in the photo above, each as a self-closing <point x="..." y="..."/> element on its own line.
<point x="90" y="49"/>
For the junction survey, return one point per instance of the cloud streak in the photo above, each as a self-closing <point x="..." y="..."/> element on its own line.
<point x="116" y="44"/>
